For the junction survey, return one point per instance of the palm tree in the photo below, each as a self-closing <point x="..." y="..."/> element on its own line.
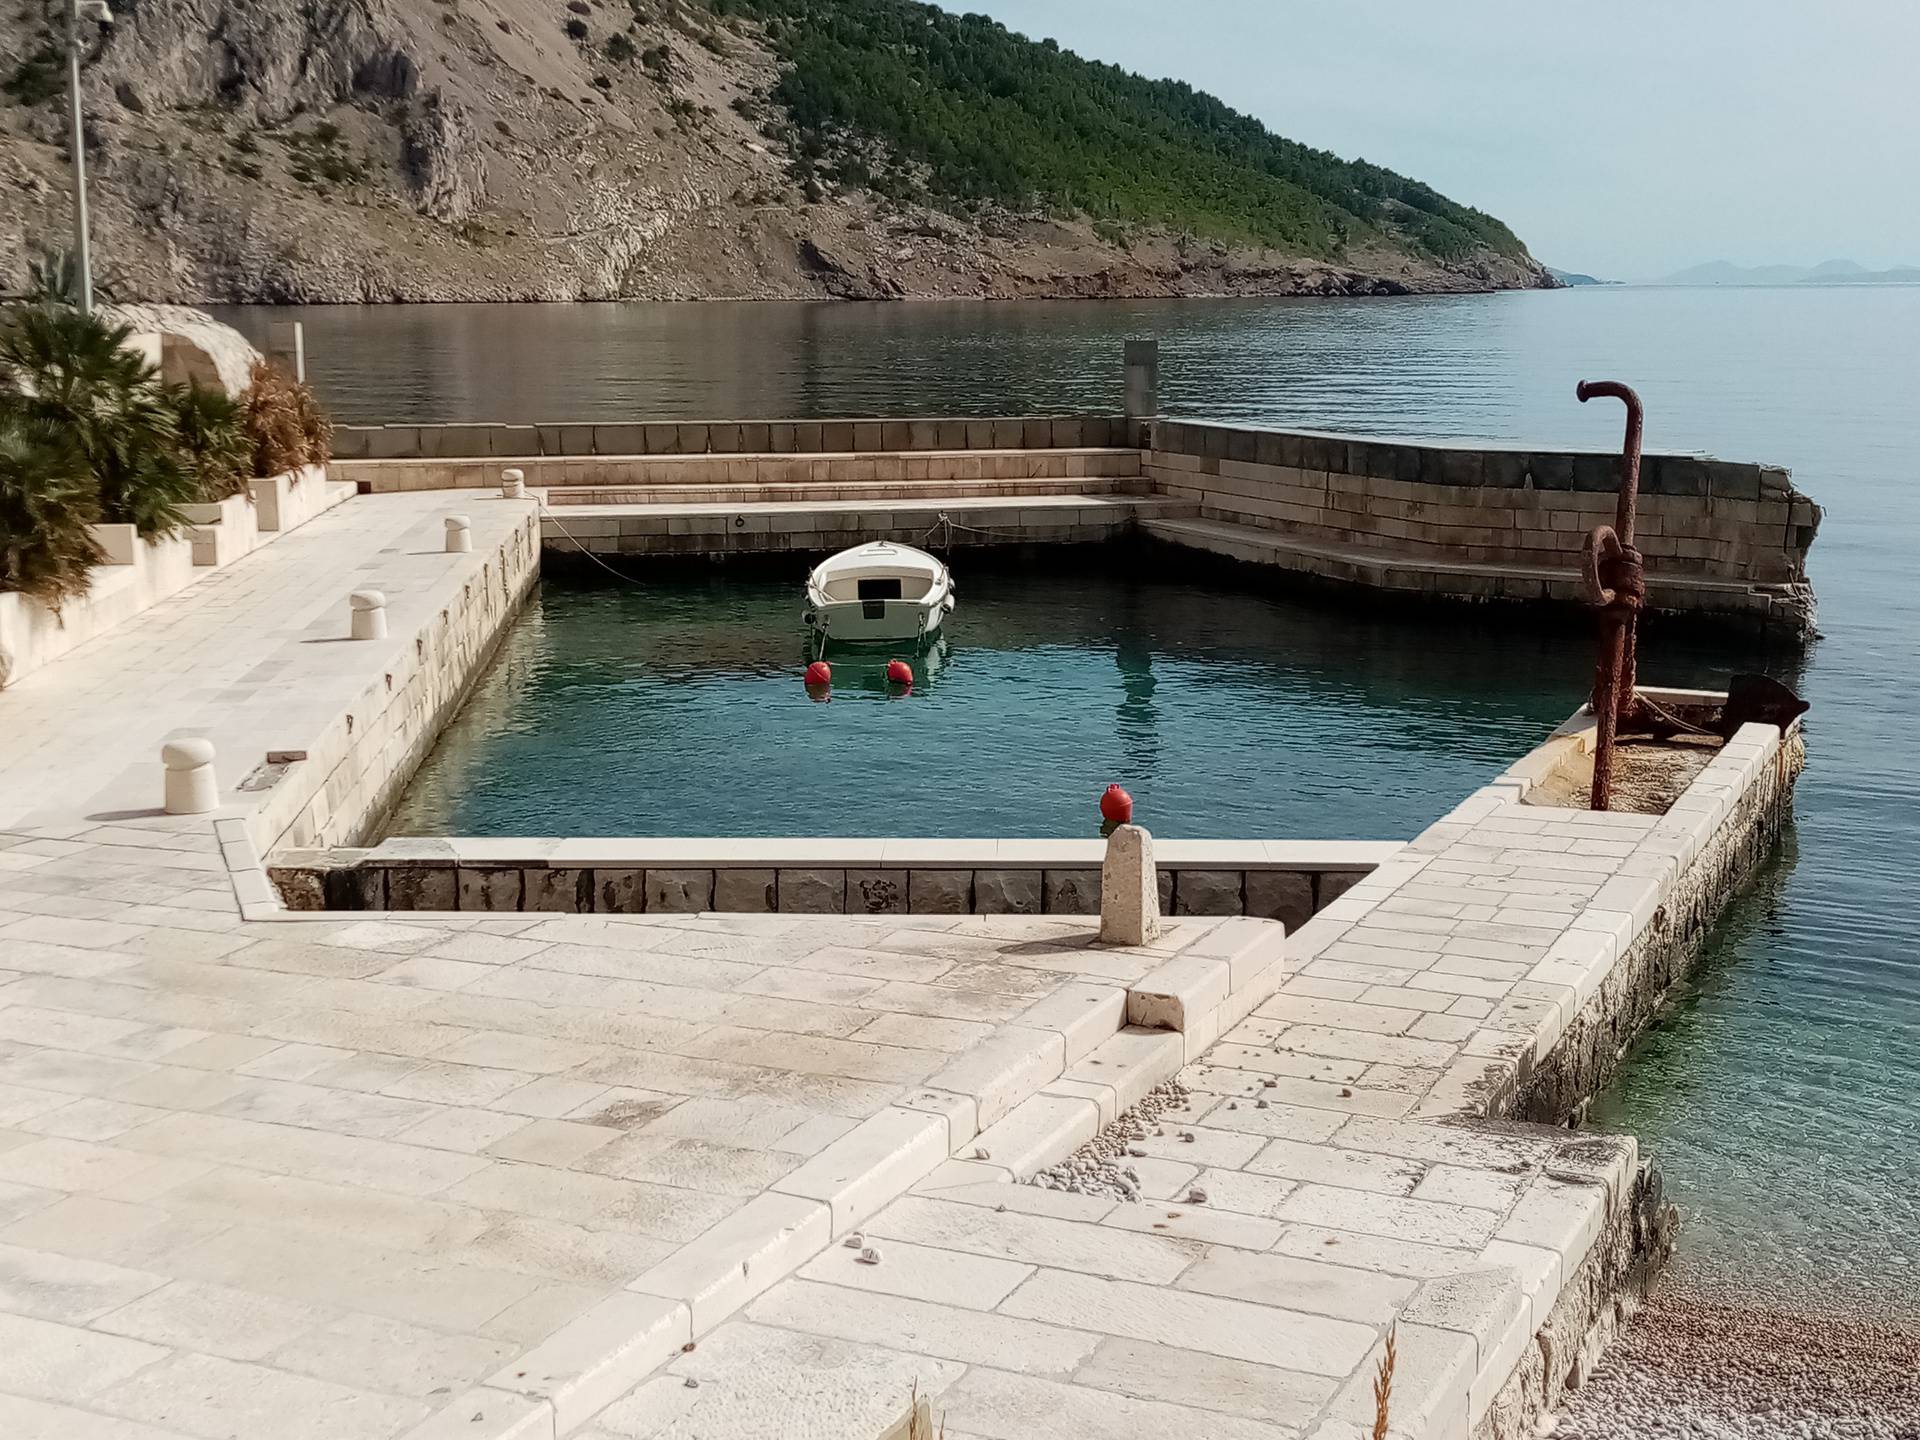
<point x="76" y="372"/>
<point x="47" y="501"/>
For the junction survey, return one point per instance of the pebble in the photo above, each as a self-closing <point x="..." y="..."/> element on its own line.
<point x="1096" y="1167"/>
<point x="1196" y="1196"/>
<point x="868" y="1256"/>
<point x="853" y="1241"/>
<point x="980" y="1152"/>
<point x="1268" y="1084"/>
<point x="692" y="1384"/>
<point x="1187" y="1135"/>
<point x="1260" y="1105"/>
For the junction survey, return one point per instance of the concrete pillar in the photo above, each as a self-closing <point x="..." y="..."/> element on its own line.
<point x="1143" y="379"/>
<point x="1129" y="889"/>
<point x="369" y="608"/>
<point x="191" y="788"/>
<point x="459" y="535"/>
<point x="513" y="484"/>
<point x="287" y="341"/>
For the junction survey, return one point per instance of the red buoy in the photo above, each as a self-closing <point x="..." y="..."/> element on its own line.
<point x="899" y="673"/>
<point x="819" y="673"/>
<point x="1116" y="806"/>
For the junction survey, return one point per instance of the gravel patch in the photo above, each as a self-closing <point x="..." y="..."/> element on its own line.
<point x="1100" y="1166"/>
<point x="1705" y="1361"/>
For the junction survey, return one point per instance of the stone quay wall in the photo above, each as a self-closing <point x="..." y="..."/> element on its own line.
<point x="1289" y="881"/>
<point x="339" y="790"/>
<point x="733" y="437"/>
<point x="1480" y="522"/>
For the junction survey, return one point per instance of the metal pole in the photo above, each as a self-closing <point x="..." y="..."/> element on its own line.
<point x="82" y="251"/>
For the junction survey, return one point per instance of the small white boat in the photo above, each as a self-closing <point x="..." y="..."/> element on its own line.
<point x="878" y="591"/>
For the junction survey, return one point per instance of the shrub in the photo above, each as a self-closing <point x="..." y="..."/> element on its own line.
<point x="577" y="31"/>
<point x="213" y="440"/>
<point x="47" y="501"/>
<point x="284" y="422"/>
<point x="619" y="49"/>
<point x="74" y="372"/>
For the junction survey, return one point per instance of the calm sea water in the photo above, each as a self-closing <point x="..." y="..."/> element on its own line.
<point x="1780" y="1093"/>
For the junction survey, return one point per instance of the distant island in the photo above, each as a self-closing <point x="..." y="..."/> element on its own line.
<point x="1830" y="272"/>
<point x="1574" y="277"/>
<point x="391" y="150"/>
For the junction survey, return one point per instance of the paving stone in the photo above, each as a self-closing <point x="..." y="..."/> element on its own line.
<point x="392" y="1357"/>
<point x="598" y="1356"/>
<point x="943" y="1277"/>
<point x="1262" y="1334"/>
<point x="59" y="1287"/>
<point x="1423" y="1221"/>
<point x="231" y="1397"/>
<point x="1206" y="1382"/>
<point x="214" y="1319"/>
<point x="751" y="1249"/>
<point x="1032" y="1239"/>
<point x="1291" y="1283"/>
<point x="552" y="1142"/>
<point x="1200" y="1224"/>
<point x="871" y="1164"/>
<point x="997" y="1405"/>
<point x="752" y="1380"/>
<point x="1373" y="1252"/>
<point x="1327" y="1165"/>
<point x="918" y="1327"/>
<point x="1207" y="892"/>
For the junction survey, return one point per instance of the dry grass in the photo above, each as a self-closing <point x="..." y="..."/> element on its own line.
<point x="920" y="1418"/>
<point x="1383" y="1387"/>
<point x="285" y="422"/>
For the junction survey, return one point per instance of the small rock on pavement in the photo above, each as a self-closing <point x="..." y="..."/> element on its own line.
<point x="868" y="1256"/>
<point x="1196" y="1196"/>
<point x="853" y="1241"/>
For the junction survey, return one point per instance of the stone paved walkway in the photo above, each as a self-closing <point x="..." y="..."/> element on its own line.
<point x="322" y="1177"/>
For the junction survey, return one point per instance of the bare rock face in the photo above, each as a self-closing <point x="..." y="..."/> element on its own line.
<point x="310" y="151"/>
<point x="443" y="166"/>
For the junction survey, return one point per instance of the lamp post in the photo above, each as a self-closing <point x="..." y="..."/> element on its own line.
<point x="78" y="12"/>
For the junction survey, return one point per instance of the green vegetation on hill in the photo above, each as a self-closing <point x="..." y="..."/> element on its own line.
<point x="957" y="110"/>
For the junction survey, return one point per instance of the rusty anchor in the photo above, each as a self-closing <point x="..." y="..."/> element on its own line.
<point x="1615" y="579"/>
<point x="1616" y="582"/>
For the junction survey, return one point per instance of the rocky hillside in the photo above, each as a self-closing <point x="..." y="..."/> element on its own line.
<point x="388" y="150"/>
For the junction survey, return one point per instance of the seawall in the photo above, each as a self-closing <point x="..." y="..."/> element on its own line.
<point x="1725" y="541"/>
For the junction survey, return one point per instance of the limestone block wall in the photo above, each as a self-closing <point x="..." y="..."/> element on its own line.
<point x="1286" y="881"/>
<point x="911" y="470"/>
<point x="338" y="791"/>
<point x="731" y="437"/>
<point x="1484" y="506"/>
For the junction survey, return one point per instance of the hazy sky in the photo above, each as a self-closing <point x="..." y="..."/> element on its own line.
<point x="1627" y="139"/>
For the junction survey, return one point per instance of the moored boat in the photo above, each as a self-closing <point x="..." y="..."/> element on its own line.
<point x="878" y="591"/>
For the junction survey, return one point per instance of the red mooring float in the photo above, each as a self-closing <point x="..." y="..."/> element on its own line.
<point x="899" y="673"/>
<point x="819" y="674"/>
<point x="1116" y="806"/>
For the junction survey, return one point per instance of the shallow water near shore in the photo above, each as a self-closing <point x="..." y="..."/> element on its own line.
<point x="1780" y="1093"/>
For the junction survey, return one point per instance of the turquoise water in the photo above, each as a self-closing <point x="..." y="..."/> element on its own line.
<point x="674" y="705"/>
<point x="1781" y="1091"/>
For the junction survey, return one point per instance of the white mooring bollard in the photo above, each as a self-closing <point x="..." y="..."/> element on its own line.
<point x="191" y="788"/>
<point x="513" y="484"/>
<point x="1129" y="889"/>
<point x="459" y="535"/>
<point x="369" y="608"/>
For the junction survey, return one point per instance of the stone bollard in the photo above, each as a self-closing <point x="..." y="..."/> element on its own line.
<point x="1129" y="889"/>
<point x="459" y="535"/>
<point x="513" y="484"/>
<point x="191" y="788"/>
<point x="369" y="609"/>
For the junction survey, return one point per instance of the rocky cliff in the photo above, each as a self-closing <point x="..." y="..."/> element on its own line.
<point x="388" y="150"/>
